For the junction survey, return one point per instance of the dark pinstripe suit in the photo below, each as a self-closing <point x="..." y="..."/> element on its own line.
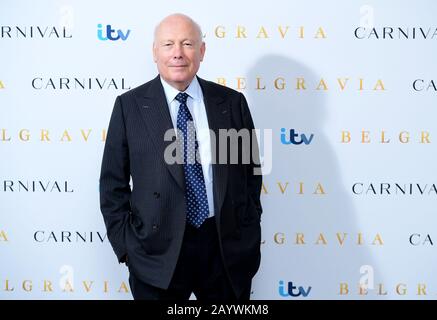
<point x="147" y="222"/>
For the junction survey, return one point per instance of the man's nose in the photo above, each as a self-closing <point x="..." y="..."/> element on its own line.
<point x="177" y="52"/>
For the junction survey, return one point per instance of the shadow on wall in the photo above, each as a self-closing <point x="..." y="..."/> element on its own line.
<point x="324" y="221"/>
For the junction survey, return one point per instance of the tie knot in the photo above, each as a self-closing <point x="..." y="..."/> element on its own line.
<point x="182" y="97"/>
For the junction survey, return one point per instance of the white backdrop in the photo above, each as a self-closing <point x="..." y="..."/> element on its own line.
<point x="334" y="210"/>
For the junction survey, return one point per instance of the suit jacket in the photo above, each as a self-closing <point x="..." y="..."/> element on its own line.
<point x="146" y="221"/>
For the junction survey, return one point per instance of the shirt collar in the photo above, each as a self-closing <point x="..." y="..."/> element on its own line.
<point x="194" y="90"/>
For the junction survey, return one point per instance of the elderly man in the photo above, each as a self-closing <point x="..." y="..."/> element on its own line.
<point x="187" y="226"/>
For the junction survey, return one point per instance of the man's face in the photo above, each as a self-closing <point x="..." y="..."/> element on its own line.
<point x="178" y="51"/>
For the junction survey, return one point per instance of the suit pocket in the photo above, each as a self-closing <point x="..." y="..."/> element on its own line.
<point x="153" y="239"/>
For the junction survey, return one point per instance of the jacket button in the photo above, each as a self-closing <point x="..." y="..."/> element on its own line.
<point x="156" y="194"/>
<point x="155" y="227"/>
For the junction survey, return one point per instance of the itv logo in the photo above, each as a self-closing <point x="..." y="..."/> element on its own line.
<point x="111" y="34"/>
<point x="292" y="290"/>
<point x="292" y="137"/>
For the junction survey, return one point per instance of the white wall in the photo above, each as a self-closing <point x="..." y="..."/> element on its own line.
<point x="312" y="40"/>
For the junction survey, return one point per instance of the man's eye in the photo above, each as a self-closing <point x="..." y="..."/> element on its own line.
<point x="187" y="44"/>
<point x="167" y="44"/>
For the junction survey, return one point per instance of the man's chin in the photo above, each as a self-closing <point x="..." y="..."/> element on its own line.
<point x="180" y="77"/>
<point x="181" y="80"/>
<point x="180" y="83"/>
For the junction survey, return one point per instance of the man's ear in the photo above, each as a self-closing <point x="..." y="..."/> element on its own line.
<point x="154" y="52"/>
<point x="202" y="50"/>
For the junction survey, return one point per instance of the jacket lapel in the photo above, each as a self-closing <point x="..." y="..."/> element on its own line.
<point x="156" y="115"/>
<point x="218" y="114"/>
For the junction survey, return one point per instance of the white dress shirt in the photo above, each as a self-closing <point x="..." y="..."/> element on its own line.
<point x="197" y="109"/>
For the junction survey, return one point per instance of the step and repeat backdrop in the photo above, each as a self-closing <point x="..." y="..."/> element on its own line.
<point x="347" y="90"/>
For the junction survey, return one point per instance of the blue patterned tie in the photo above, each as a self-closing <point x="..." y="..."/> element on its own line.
<point x="195" y="190"/>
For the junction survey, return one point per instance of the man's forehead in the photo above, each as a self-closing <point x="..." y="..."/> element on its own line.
<point x="176" y="34"/>
<point x="176" y="29"/>
<point x="176" y="24"/>
<point x="176" y="37"/>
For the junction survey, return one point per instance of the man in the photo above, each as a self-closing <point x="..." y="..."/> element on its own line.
<point x="184" y="227"/>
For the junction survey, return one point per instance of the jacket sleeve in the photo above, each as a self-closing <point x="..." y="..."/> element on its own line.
<point x="254" y="182"/>
<point x="115" y="191"/>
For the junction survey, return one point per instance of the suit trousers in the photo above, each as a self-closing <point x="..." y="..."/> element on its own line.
<point x="199" y="270"/>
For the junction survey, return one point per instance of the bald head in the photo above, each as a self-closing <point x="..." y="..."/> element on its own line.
<point x="176" y="19"/>
<point x="178" y="49"/>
